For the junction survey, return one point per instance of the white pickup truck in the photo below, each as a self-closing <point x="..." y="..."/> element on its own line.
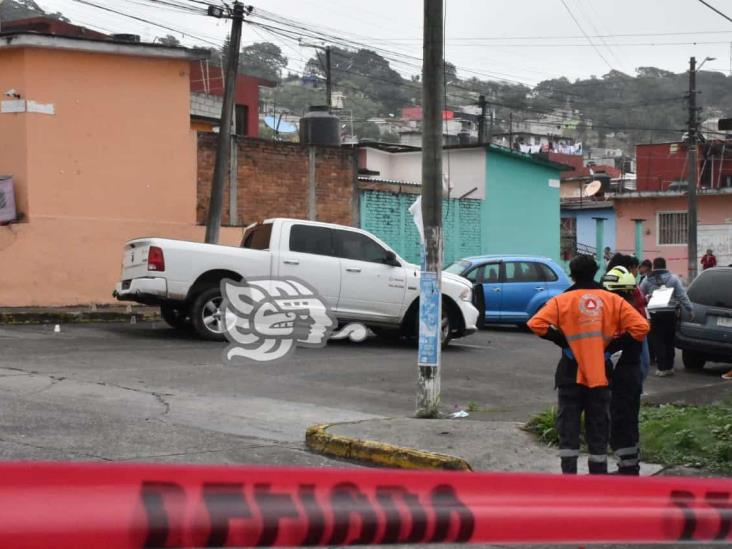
<point x="360" y="277"/>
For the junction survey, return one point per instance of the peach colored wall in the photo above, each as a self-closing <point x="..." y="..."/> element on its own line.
<point x="116" y="161"/>
<point x="13" y="158"/>
<point x="117" y="145"/>
<point x="712" y="210"/>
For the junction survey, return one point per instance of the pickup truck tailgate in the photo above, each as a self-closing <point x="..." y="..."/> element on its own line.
<point x="134" y="259"/>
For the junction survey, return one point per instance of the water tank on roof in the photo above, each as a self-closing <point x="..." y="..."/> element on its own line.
<point x="131" y="38"/>
<point x="320" y="127"/>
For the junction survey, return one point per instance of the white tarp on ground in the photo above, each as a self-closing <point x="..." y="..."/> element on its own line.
<point x="719" y="239"/>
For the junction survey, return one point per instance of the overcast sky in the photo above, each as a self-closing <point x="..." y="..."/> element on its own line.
<point x="516" y="40"/>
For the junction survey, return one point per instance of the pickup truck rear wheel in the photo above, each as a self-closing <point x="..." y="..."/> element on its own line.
<point x="207" y="316"/>
<point x="175" y="317"/>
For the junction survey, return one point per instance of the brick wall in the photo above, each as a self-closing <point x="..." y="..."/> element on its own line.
<point x="385" y="213"/>
<point x="273" y="181"/>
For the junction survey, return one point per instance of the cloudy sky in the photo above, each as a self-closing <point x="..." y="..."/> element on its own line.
<point x="525" y="41"/>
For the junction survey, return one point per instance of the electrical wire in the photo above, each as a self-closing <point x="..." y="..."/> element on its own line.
<point x="716" y="10"/>
<point x="597" y="50"/>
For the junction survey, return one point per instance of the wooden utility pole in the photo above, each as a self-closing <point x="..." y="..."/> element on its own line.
<point x="216" y="200"/>
<point x="430" y="309"/>
<point x="481" y="121"/>
<point x="693" y="177"/>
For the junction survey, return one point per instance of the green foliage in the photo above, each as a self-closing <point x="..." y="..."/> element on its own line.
<point x="544" y="426"/>
<point x="168" y="40"/>
<point x="262" y="59"/>
<point x="692" y="436"/>
<point x="12" y="10"/>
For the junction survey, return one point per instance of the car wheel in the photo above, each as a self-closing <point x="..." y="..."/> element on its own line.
<point x="446" y="327"/>
<point x="207" y="316"/>
<point x="175" y="317"/>
<point x="387" y="334"/>
<point x="692" y="360"/>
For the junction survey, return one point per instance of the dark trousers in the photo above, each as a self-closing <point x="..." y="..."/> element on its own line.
<point x="663" y="332"/>
<point x="595" y="403"/>
<point x="626" y="389"/>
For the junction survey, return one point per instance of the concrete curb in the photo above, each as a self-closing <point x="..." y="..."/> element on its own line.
<point x="74" y="316"/>
<point x="320" y="441"/>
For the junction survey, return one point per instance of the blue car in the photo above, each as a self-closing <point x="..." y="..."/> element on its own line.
<point x="514" y="286"/>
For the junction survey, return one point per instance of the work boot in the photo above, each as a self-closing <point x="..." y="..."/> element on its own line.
<point x="597" y="467"/>
<point x="569" y="465"/>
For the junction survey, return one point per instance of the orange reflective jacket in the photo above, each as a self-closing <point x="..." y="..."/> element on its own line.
<point x="589" y="318"/>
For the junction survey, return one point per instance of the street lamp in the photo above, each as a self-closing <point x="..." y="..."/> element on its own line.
<point x="704" y="61"/>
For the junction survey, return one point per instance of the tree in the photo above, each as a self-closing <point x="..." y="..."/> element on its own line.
<point x="12" y="10"/>
<point x="168" y="40"/>
<point x="263" y="59"/>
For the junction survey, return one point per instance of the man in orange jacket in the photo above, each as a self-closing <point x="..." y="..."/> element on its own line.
<point x="583" y="321"/>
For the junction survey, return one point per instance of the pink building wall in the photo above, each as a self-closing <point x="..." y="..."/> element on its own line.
<point x="712" y="210"/>
<point x="116" y="160"/>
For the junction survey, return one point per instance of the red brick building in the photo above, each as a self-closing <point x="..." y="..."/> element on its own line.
<point x="663" y="166"/>
<point x="208" y="78"/>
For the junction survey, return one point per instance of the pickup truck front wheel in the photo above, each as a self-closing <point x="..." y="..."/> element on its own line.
<point x="207" y="316"/>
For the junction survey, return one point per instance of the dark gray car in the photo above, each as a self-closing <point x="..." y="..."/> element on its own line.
<point x="709" y="336"/>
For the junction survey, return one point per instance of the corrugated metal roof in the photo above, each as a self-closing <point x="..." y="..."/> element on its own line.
<point x="373" y="179"/>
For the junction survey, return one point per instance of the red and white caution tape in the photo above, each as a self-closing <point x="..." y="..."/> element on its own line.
<point x="130" y="506"/>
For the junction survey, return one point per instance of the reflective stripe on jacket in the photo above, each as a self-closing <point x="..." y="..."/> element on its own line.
<point x="589" y="318"/>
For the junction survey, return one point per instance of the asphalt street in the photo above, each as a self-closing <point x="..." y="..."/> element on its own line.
<point x="146" y="392"/>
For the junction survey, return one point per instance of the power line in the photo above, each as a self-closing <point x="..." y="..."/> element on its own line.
<point x="716" y="10"/>
<point x="148" y="22"/>
<point x="597" y="50"/>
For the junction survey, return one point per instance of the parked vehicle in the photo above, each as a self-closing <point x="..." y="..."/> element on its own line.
<point x="514" y="287"/>
<point x="708" y="337"/>
<point x="360" y="277"/>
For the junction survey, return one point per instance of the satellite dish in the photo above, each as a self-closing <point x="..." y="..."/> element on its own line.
<point x="592" y="188"/>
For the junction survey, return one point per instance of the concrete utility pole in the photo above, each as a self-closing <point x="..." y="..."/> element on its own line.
<point x="693" y="177"/>
<point x="430" y="305"/>
<point x="510" y="130"/>
<point x="216" y="200"/>
<point x="481" y="121"/>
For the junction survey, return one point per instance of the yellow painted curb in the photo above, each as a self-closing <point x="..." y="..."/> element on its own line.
<point x="379" y="453"/>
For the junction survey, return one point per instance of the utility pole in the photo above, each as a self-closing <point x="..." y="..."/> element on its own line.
<point x="326" y="68"/>
<point x="693" y="177"/>
<point x="216" y="200"/>
<point x="481" y="121"/>
<point x="430" y="296"/>
<point x="328" y="80"/>
<point x="510" y="130"/>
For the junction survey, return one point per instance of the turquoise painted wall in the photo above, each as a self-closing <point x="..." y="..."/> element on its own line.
<point x="386" y="215"/>
<point x="520" y="212"/>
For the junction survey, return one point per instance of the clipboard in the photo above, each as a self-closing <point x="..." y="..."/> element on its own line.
<point x="661" y="299"/>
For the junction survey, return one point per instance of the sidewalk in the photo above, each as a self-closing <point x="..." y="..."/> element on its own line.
<point x="460" y="444"/>
<point x="80" y="313"/>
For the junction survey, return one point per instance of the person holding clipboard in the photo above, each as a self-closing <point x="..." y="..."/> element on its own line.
<point x="665" y="295"/>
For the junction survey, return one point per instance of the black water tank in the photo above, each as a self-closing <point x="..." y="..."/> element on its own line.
<point x="131" y="38"/>
<point x="320" y="127"/>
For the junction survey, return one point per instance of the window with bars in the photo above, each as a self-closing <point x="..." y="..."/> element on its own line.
<point x="672" y="228"/>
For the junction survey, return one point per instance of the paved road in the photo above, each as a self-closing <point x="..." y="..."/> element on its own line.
<point x="146" y="392"/>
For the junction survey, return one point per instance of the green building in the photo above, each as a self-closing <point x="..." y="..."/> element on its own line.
<point x="499" y="201"/>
